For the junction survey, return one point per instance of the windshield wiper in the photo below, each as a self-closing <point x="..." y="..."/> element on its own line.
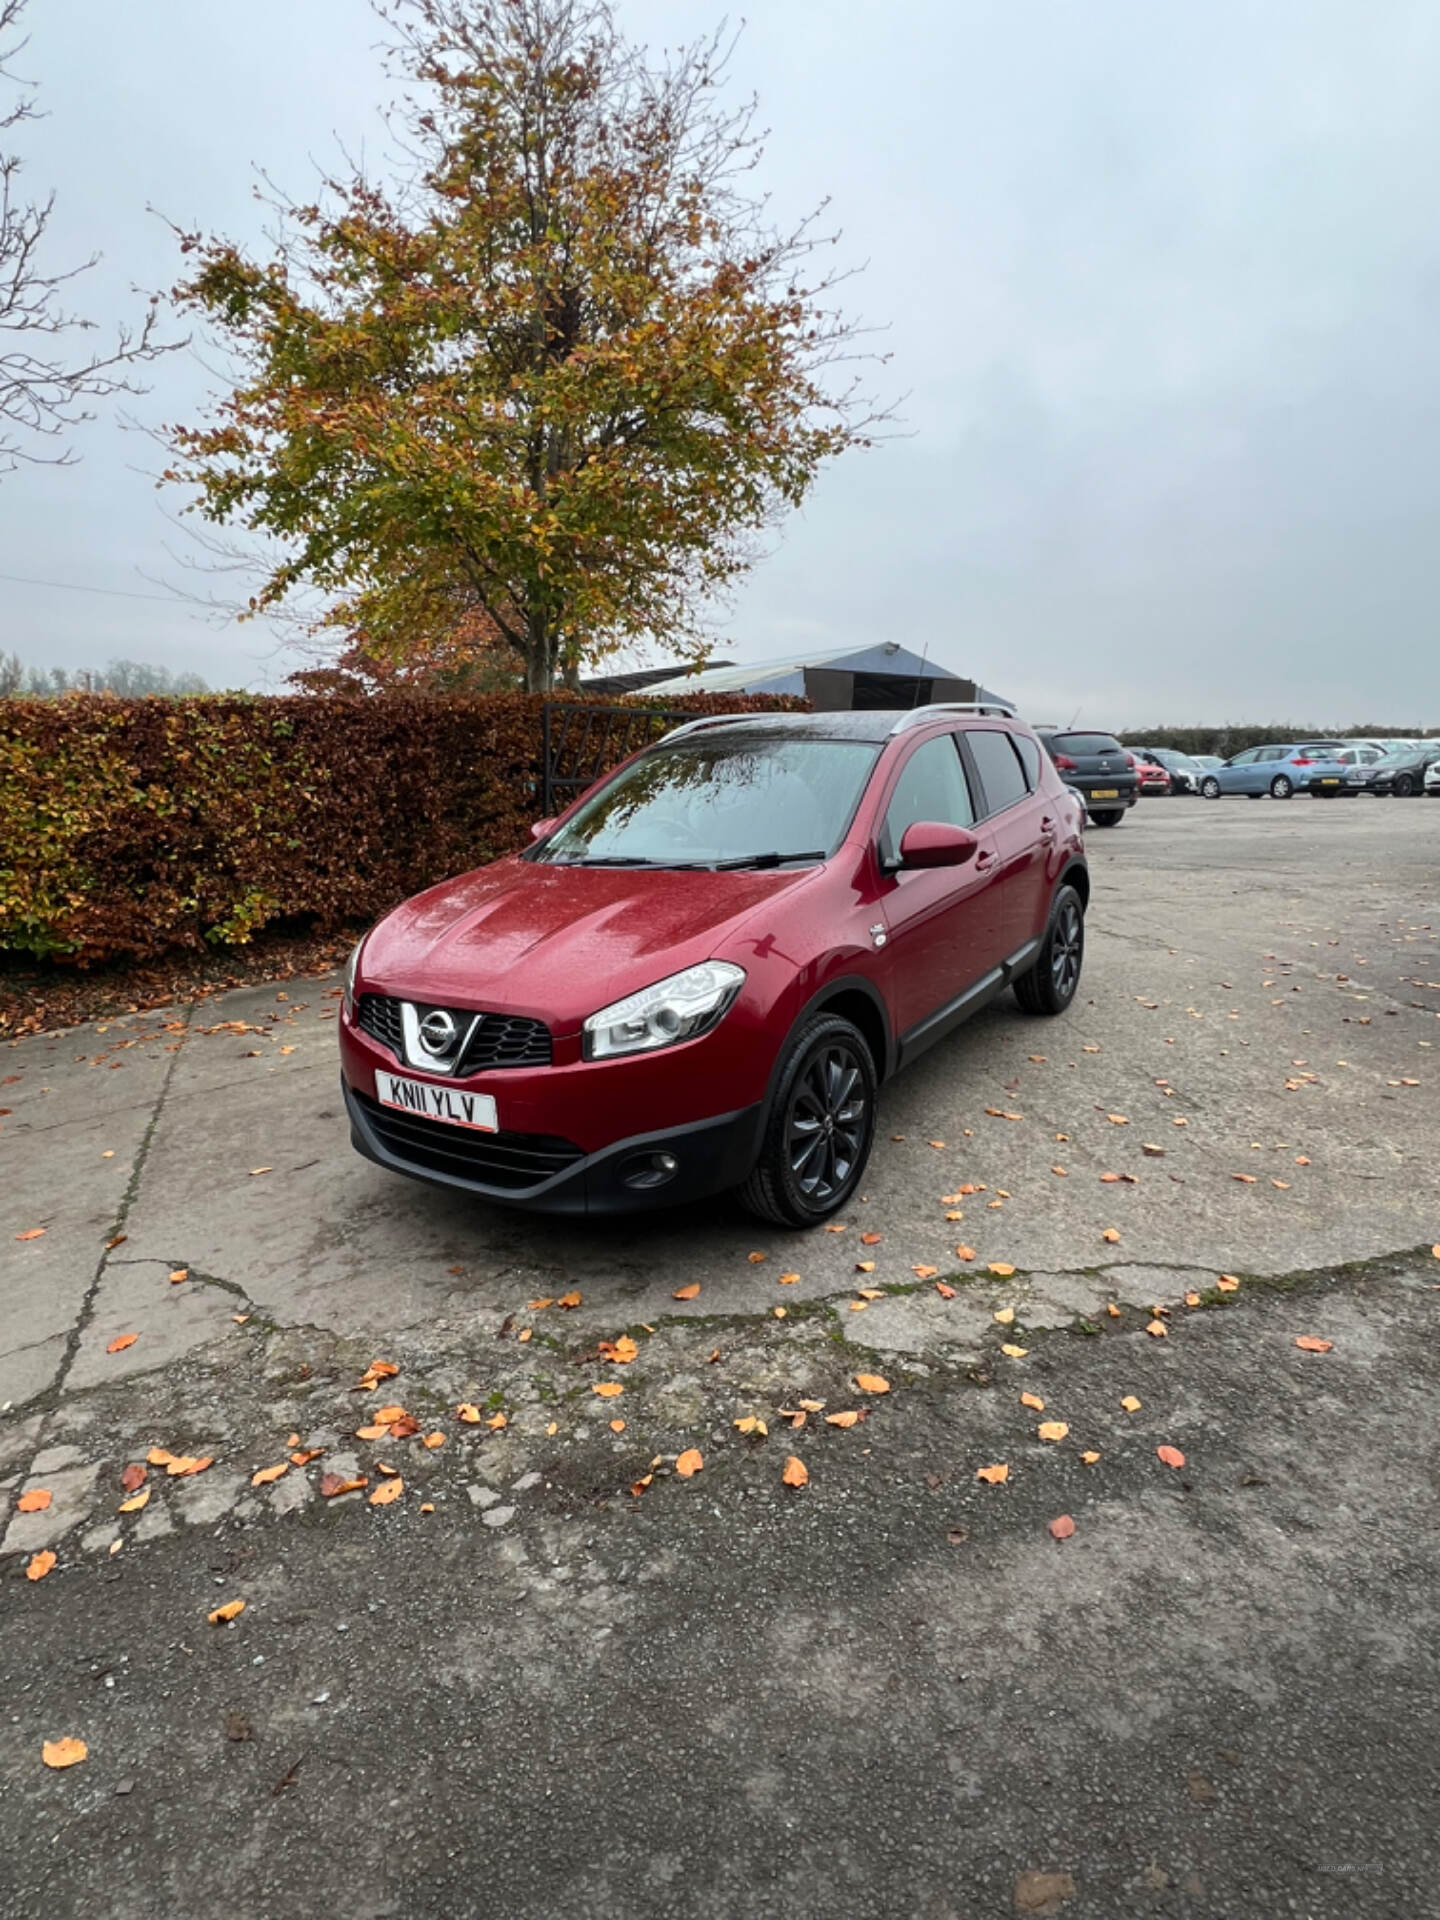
<point x="765" y="860"/>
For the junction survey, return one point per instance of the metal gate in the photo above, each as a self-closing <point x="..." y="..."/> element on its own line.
<point x="579" y="743"/>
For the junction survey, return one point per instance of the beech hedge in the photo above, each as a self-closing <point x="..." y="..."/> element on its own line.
<point x="132" y="827"/>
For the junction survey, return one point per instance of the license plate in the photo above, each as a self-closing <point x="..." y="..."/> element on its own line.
<point x="449" y="1104"/>
<point x="1328" y="782"/>
<point x="1104" y="793"/>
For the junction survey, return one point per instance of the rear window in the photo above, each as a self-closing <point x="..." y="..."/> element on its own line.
<point x="998" y="763"/>
<point x="1083" y="743"/>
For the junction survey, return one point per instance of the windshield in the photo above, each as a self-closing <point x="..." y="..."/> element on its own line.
<point x="1084" y="743"/>
<point x="710" y="801"/>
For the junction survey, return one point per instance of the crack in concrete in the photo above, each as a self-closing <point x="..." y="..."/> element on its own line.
<point x="46" y="1403"/>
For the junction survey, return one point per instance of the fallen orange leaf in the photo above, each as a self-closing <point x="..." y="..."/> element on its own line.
<point x="623" y="1350"/>
<point x="964" y="1253"/>
<point x="383" y="1369"/>
<point x="617" y="1426"/>
<point x="1111" y="1234"/>
<point x="1227" y="1283"/>
<point x="36" y="1501"/>
<point x="132" y="1476"/>
<point x="686" y="1293"/>
<point x="39" y="1564"/>
<point x="796" y="1473"/>
<point x="788" y="1279"/>
<point x="387" y="1491"/>
<point x="34" y="1233"/>
<point x="539" y="1306"/>
<point x="568" y="1300"/>
<point x="1192" y="1299"/>
<point x="690" y="1462"/>
<point x="1157" y="1329"/>
<point x="1062" y="1526"/>
<point x="1014" y="1352"/>
<point x="755" y="1258"/>
<point x="372" y="1433"/>
<point x="872" y="1383"/>
<point x="135" y="1502"/>
<point x="231" y="1610"/>
<point x="1172" y="1456"/>
<point x="945" y="1293"/>
<point x="1089" y="1458"/>
<point x="835" y="1226"/>
<point x="267" y="1474"/>
<point x="387" y="1416"/>
<point x="433" y="1440"/>
<point x="497" y="1421"/>
<point x="1130" y="1403"/>
<point x="874" y="1293"/>
<point x="180" y="1273"/>
<point x="607" y="1389"/>
<point x="1032" y="1400"/>
<point x="471" y="1415"/>
<point x="993" y="1476"/>
<point x="1112" y="1310"/>
<point x="638" y="1487"/>
<point x="1052" y="1429"/>
<point x="871" y="1239"/>
<point x="305" y="1456"/>
<point x="865" y="1266"/>
<point x="121" y="1342"/>
<point x="925" y="1273"/>
<point x="846" y="1419"/>
<point x="332" y="1484"/>
<point x="63" y="1753"/>
<point x="1004" y="1314"/>
<point x="1309" y="1344"/>
<point x="1245" y="1179"/>
<point x="1002" y="1267"/>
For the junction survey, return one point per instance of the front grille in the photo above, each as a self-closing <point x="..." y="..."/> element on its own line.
<point x="379" y="1015"/>
<point x="512" y="1161"/>
<point x="499" y="1039"/>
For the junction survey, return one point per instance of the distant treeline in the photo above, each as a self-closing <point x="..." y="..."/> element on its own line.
<point x="1235" y="738"/>
<point x="128" y="679"/>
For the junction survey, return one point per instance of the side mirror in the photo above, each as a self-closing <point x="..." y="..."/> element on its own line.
<point x="540" y="829"/>
<point x="932" y="843"/>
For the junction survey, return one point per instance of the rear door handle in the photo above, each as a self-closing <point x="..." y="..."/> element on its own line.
<point x="1047" y="826"/>
<point x="984" y="862"/>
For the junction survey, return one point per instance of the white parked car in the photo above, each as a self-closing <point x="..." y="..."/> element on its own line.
<point x="1432" y="780"/>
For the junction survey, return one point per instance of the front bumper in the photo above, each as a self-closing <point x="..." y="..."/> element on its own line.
<point x="552" y="1175"/>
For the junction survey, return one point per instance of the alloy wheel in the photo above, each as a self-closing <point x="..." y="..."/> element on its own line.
<point x="826" y="1130"/>
<point x="1067" y="940"/>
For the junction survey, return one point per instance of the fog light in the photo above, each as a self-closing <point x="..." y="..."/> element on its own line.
<point x="648" y="1170"/>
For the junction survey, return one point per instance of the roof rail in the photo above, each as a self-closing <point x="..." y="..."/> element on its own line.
<point x="705" y="720"/>
<point x="999" y="709"/>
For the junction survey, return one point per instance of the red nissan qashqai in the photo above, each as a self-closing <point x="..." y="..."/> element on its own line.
<point x="697" y="977"/>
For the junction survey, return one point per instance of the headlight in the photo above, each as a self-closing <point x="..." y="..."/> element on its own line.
<point x="675" y="1009"/>
<point x="348" y="998"/>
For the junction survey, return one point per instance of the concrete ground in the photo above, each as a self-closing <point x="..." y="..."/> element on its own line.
<point x="521" y="1686"/>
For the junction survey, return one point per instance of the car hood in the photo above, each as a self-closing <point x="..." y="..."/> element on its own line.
<point x="558" y="943"/>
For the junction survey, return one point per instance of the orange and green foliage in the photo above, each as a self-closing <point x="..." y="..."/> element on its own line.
<point x="567" y="372"/>
<point x="128" y="827"/>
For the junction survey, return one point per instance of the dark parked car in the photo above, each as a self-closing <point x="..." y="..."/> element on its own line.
<point x="1098" y="768"/>
<point x="1185" y="773"/>
<point x="698" y="976"/>
<point x="1401" y="772"/>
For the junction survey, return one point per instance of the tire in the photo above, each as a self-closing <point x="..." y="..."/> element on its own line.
<point x="807" y="1172"/>
<point x="1209" y="788"/>
<point x="1108" y="818"/>
<point x="1053" y="981"/>
<point x="1404" y="786"/>
<point x="1282" y="787"/>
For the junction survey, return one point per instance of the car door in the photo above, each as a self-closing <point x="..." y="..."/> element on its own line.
<point x="1023" y="823"/>
<point x="944" y="925"/>
<point x="1237" y="774"/>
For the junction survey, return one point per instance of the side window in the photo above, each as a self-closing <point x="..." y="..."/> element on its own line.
<point x="1246" y="759"/>
<point x="998" y="764"/>
<point x="1276" y="753"/>
<point x="932" y="786"/>
<point x="1030" y="754"/>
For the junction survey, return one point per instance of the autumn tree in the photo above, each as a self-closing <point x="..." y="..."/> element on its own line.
<point x="44" y="390"/>
<point x="566" y="367"/>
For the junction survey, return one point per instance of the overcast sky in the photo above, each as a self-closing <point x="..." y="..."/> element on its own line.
<point x="1161" y="286"/>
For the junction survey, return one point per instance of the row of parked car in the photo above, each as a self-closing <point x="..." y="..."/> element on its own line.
<point x="1110" y="778"/>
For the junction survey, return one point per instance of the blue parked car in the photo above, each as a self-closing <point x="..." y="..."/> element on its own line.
<point x="1281" y="772"/>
